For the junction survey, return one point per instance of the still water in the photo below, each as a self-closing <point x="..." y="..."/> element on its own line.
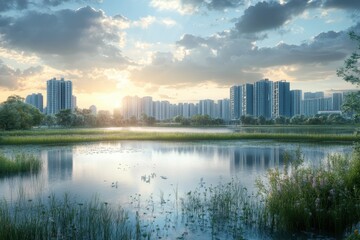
<point x="117" y="170"/>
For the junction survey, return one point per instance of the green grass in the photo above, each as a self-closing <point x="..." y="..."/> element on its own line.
<point x="91" y="135"/>
<point x="323" y="200"/>
<point x="21" y="163"/>
<point x="63" y="219"/>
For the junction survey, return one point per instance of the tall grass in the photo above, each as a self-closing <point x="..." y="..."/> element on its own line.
<point x="76" y="137"/>
<point x="323" y="200"/>
<point x="21" y="163"/>
<point x="63" y="219"/>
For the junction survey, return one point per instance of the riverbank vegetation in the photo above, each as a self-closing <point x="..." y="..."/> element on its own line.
<point x="322" y="199"/>
<point x="21" y="163"/>
<point x="91" y="135"/>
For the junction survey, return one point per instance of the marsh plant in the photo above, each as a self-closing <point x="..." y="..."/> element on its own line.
<point x="323" y="199"/>
<point x="63" y="218"/>
<point x="20" y="163"/>
<point x="224" y="209"/>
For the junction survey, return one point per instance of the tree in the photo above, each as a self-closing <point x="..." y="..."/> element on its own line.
<point x="350" y="72"/>
<point x="15" y="114"/>
<point x="64" y="118"/>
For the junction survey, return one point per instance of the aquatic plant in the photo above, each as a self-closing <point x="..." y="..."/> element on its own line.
<point x="63" y="218"/>
<point x="324" y="199"/>
<point x="20" y="163"/>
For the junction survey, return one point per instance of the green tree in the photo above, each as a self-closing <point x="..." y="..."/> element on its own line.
<point x="15" y="114"/>
<point x="65" y="118"/>
<point x="350" y="72"/>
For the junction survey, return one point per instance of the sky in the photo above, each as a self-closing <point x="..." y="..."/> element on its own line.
<point x="174" y="50"/>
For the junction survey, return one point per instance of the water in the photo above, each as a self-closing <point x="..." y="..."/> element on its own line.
<point x="118" y="171"/>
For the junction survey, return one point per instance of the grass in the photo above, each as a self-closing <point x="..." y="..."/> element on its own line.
<point x="322" y="200"/>
<point x="63" y="219"/>
<point x="91" y="135"/>
<point x="21" y="163"/>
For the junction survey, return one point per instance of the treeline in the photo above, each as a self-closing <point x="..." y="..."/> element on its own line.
<point x="319" y="119"/>
<point x="15" y="114"/>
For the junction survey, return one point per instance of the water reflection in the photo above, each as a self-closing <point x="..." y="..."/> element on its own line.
<point x="60" y="164"/>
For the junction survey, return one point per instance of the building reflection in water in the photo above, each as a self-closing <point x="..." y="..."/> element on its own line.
<point x="255" y="159"/>
<point x="60" y="164"/>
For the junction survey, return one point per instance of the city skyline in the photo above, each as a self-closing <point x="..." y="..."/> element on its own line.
<point x="114" y="49"/>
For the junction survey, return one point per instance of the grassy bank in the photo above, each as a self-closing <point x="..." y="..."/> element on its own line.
<point x="91" y="135"/>
<point x="21" y="163"/>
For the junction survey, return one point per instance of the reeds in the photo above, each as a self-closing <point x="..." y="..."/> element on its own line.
<point x="323" y="200"/>
<point x="21" y="163"/>
<point x="63" y="218"/>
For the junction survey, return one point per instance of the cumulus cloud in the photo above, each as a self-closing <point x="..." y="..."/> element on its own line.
<point x="82" y="38"/>
<point x="225" y="60"/>
<point x="344" y="4"/>
<point x="269" y="15"/>
<point x="191" y="6"/>
<point x="10" y="77"/>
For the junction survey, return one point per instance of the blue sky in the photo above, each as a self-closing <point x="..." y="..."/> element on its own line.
<point x="175" y="50"/>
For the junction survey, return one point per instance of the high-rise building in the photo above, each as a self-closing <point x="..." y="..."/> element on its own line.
<point x="281" y="99"/>
<point x="247" y="101"/>
<point x="313" y="95"/>
<point x="131" y="107"/>
<point x="59" y="95"/>
<point x="337" y="101"/>
<point x="235" y="102"/>
<point x="35" y="99"/>
<point x="295" y="102"/>
<point x="263" y="98"/>
<point x="73" y="102"/>
<point x="223" y="111"/>
<point x="207" y="107"/>
<point x="147" y="106"/>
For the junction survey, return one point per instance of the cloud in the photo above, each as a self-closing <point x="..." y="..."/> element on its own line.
<point x="6" y="5"/>
<point x="82" y="38"/>
<point x="145" y="22"/>
<point x="269" y="15"/>
<point x="13" y="4"/>
<point x="191" y="6"/>
<point x="10" y="77"/>
<point x="344" y="4"/>
<point x="225" y="59"/>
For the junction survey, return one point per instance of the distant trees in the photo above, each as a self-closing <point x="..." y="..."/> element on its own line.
<point x="15" y="114"/>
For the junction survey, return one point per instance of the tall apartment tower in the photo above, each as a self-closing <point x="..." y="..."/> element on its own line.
<point x="35" y="99"/>
<point x="263" y="98"/>
<point x="295" y="102"/>
<point x="235" y="102"/>
<point x="337" y="100"/>
<point x="59" y="95"/>
<point x="247" y="101"/>
<point x="281" y="99"/>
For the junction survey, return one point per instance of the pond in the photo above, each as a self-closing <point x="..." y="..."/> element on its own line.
<point x="118" y="171"/>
